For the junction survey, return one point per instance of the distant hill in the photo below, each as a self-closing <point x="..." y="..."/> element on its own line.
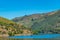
<point x="46" y="23"/>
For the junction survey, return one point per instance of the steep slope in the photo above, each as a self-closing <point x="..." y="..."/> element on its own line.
<point x="10" y="28"/>
<point x="41" y="23"/>
<point x="50" y="24"/>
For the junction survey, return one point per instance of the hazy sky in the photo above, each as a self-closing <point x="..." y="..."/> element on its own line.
<point x="16" y="8"/>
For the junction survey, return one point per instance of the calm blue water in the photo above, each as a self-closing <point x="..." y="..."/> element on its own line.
<point x="38" y="36"/>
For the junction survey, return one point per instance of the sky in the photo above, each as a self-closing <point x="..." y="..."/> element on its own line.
<point x="16" y="8"/>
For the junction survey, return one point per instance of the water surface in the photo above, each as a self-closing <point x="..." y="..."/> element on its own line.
<point x="38" y="36"/>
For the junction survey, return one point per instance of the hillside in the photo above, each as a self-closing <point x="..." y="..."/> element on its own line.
<point x="10" y="28"/>
<point x="47" y="23"/>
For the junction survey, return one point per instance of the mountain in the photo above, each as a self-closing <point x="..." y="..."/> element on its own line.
<point x="10" y="28"/>
<point x="46" y="23"/>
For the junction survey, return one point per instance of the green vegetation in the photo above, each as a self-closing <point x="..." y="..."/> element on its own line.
<point x="48" y="23"/>
<point x="41" y="23"/>
<point x="10" y="28"/>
